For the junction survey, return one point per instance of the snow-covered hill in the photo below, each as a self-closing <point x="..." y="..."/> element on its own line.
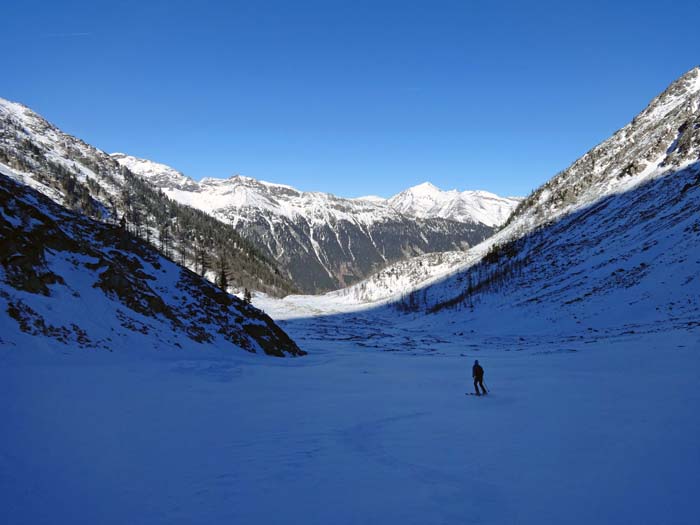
<point x="618" y="230"/>
<point x="324" y="241"/>
<point x="67" y="278"/>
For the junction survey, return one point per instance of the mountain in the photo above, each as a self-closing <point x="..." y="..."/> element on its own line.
<point x="323" y="241"/>
<point x="66" y="277"/>
<point x="157" y="174"/>
<point x="87" y="180"/>
<point x="427" y="201"/>
<point x="613" y="241"/>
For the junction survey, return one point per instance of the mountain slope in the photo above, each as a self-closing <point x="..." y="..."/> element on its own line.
<point x="87" y="284"/>
<point x="612" y="240"/>
<point x="87" y="180"/>
<point x="662" y="137"/>
<point x="324" y="241"/>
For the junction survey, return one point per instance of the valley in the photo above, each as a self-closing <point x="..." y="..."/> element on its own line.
<point x="138" y="389"/>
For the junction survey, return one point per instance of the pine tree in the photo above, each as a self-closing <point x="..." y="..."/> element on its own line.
<point x="221" y="279"/>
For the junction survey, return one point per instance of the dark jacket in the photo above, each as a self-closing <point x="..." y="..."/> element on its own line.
<point x="477" y="372"/>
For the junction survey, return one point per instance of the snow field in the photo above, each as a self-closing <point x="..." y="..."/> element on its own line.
<point x="603" y="434"/>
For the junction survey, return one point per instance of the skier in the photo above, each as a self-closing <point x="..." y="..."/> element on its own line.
<point x="478" y="375"/>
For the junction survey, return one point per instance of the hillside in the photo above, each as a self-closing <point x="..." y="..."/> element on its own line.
<point x="69" y="279"/>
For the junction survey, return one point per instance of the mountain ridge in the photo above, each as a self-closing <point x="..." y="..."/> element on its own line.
<point x="492" y="213"/>
<point x="324" y="241"/>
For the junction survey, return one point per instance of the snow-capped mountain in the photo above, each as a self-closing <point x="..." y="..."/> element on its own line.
<point x="614" y="238"/>
<point x="85" y="179"/>
<point x="158" y="174"/>
<point x="324" y="241"/>
<point x="66" y="277"/>
<point x="427" y="201"/>
<point x="267" y="237"/>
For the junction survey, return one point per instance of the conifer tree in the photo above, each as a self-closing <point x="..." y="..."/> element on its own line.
<point x="221" y="279"/>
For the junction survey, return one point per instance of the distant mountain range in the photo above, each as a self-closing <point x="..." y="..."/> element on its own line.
<point x="325" y="242"/>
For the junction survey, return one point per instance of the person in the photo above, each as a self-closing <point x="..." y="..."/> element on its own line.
<point x="478" y="375"/>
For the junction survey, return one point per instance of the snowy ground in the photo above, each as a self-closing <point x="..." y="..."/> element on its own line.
<point x="593" y="430"/>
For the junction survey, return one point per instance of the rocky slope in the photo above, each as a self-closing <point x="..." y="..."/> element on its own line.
<point x="325" y="242"/>
<point x="661" y="139"/>
<point x="88" y="284"/>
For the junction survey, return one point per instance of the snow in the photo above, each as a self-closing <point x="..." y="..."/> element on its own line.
<point x="370" y="198"/>
<point x="28" y="180"/>
<point x="592" y="431"/>
<point x="428" y="201"/>
<point x="152" y="170"/>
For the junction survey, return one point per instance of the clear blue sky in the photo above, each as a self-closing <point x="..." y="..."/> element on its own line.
<point x="356" y="97"/>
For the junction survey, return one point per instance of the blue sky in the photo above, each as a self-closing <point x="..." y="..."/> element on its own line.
<point x="353" y="98"/>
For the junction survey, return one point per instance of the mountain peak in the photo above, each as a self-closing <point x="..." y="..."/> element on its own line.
<point x="693" y="73"/>
<point x="694" y="76"/>
<point x="428" y="201"/>
<point x="425" y="187"/>
<point x="158" y="174"/>
<point x="686" y="84"/>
